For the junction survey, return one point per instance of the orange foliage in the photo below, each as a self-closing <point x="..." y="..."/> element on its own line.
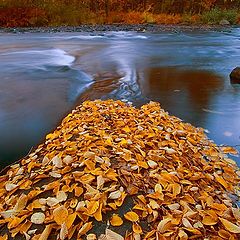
<point x="134" y="17"/>
<point x="22" y="17"/>
<point x="168" y="19"/>
<point x="207" y="4"/>
<point x="195" y="19"/>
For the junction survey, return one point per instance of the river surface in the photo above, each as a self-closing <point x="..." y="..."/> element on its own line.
<point x="44" y="75"/>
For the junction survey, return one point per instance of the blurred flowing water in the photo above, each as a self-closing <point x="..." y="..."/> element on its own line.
<point x="44" y="75"/>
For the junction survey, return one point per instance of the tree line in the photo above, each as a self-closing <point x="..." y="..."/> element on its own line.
<point x="156" y="6"/>
<point x="75" y="12"/>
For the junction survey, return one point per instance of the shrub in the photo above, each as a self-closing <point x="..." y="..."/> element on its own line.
<point x="215" y="15"/>
<point x="149" y="17"/>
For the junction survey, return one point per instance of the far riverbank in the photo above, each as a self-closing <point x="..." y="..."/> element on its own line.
<point x="152" y="28"/>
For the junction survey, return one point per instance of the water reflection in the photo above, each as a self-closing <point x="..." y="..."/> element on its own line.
<point x="185" y="93"/>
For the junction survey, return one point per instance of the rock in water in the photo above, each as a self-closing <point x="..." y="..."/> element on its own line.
<point x="235" y="76"/>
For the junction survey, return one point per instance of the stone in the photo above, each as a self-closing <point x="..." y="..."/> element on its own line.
<point x="224" y="22"/>
<point x="235" y="76"/>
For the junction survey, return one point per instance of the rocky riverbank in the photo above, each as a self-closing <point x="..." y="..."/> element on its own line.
<point x="120" y="27"/>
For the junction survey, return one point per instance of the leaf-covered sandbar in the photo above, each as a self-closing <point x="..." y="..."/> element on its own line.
<point x="113" y="171"/>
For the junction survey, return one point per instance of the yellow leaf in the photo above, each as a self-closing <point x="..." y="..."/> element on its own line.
<point x="116" y="220"/>
<point x="182" y="235"/>
<point x="218" y="206"/>
<point x="4" y="237"/>
<point x="60" y="215"/>
<point x="78" y="191"/>
<point x="126" y="129"/>
<point x="73" y="203"/>
<point x="222" y="182"/>
<point x="98" y="213"/>
<point x="25" y="227"/>
<point x="90" y="164"/>
<point x="113" y="206"/>
<point x="46" y="232"/>
<point x="61" y="196"/>
<point x="87" y="179"/>
<point x="115" y="195"/>
<point x="229" y="150"/>
<point x="143" y="164"/>
<point x="109" y="142"/>
<point x="21" y="203"/>
<point x="110" y="235"/>
<point x="137" y="228"/>
<point x="85" y="228"/>
<point x="91" y="236"/>
<point x="92" y="207"/>
<point x="153" y="204"/>
<point x="111" y="174"/>
<point x="63" y="231"/>
<point x="176" y="189"/>
<point x="208" y="220"/>
<point x="233" y="228"/>
<point x="163" y="225"/>
<point x="70" y="220"/>
<point x="193" y="230"/>
<point x="224" y="234"/>
<point x="14" y="222"/>
<point x="131" y="216"/>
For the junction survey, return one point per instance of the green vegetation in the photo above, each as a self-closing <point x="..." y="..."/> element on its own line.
<point x="215" y="15"/>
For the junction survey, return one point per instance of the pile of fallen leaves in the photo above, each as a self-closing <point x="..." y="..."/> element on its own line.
<point x="112" y="171"/>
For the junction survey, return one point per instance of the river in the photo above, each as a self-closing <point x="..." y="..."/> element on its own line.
<point x="45" y="75"/>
